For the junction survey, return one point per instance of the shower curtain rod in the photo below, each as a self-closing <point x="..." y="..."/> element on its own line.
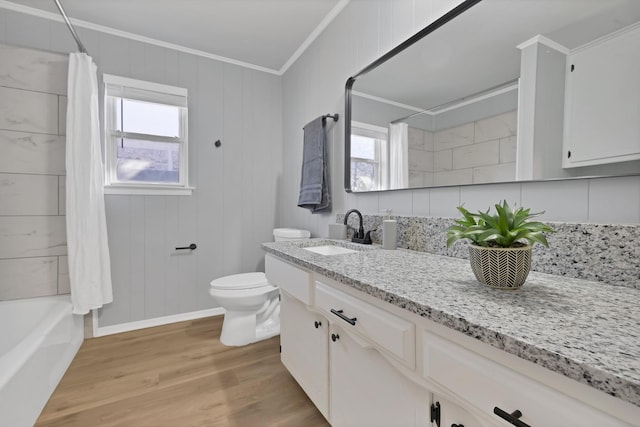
<point x="73" y="31"/>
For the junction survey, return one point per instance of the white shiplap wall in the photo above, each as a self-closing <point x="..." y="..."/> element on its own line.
<point x="233" y="208"/>
<point x="315" y="85"/>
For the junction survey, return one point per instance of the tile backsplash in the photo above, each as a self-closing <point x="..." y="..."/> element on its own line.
<point x="32" y="173"/>
<point x="599" y="252"/>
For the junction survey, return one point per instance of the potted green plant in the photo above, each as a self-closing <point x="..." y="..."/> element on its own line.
<point x="500" y="249"/>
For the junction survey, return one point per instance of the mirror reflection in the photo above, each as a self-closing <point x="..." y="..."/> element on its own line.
<point x="505" y="91"/>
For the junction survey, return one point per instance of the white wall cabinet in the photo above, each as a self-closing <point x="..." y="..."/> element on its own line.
<point x="364" y="362"/>
<point x="602" y="103"/>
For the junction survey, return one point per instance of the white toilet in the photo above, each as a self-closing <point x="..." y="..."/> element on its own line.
<point x="251" y="303"/>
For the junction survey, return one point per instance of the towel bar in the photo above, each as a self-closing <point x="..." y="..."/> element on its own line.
<point x="333" y="116"/>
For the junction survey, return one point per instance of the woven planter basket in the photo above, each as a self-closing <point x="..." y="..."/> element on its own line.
<point x="504" y="268"/>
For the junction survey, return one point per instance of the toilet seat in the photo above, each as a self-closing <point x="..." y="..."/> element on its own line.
<point x="241" y="281"/>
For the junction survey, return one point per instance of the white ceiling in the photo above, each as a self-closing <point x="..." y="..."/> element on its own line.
<point x="263" y="33"/>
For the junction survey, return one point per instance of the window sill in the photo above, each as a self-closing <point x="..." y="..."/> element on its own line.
<point x="143" y="190"/>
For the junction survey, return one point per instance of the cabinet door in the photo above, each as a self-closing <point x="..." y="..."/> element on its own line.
<point x="603" y="102"/>
<point x="303" y="340"/>
<point x="366" y="391"/>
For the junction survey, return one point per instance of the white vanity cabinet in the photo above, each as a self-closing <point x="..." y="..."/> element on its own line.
<point x="341" y="366"/>
<point x="364" y="362"/>
<point x="602" y="102"/>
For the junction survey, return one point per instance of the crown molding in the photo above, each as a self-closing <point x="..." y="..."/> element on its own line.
<point x="314" y="35"/>
<point x="5" y="4"/>
<point x="387" y="101"/>
<point x="540" y="39"/>
<point x="606" y="37"/>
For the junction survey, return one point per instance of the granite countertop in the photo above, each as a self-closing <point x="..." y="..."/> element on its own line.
<point x="587" y="331"/>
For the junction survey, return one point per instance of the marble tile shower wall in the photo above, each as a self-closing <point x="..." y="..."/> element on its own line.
<point x="420" y="157"/>
<point x="477" y="152"/>
<point x="598" y="252"/>
<point x="33" y="261"/>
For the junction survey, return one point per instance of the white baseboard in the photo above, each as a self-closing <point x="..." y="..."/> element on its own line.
<point x="149" y="323"/>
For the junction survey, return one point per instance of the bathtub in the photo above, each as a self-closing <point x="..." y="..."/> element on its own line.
<point x="38" y="339"/>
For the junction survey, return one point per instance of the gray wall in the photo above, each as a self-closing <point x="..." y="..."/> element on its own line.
<point x="315" y="85"/>
<point x="233" y="208"/>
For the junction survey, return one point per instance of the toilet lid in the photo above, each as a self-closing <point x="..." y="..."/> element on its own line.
<point x="240" y="281"/>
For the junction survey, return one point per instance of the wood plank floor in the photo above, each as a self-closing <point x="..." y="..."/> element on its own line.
<point x="178" y="375"/>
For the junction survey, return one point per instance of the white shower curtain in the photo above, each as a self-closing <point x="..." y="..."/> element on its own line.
<point x="398" y="155"/>
<point x="89" y="263"/>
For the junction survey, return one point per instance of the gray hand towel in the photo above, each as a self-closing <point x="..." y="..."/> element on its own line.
<point x="314" y="183"/>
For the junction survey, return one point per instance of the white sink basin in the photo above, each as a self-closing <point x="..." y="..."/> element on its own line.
<point x="329" y="250"/>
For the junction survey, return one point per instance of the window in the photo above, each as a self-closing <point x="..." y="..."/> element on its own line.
<point x="369" y="155"/>
<point x="146" y="144"/>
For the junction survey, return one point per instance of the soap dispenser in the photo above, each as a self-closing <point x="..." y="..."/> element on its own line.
<point x="389" y="232"/>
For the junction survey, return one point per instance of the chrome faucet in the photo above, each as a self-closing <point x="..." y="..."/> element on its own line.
<point x="358" y="236"/>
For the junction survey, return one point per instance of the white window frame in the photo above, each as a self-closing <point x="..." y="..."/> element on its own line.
<point x="381" y="162"/>
<point x="171" y="95"/>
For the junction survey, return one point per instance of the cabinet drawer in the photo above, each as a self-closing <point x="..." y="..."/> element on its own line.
<point x="487" y="384"/>
<point x="296" y="281"/>
<point x="393" y="334"/>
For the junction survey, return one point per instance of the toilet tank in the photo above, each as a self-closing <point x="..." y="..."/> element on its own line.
<point x="284" y="234"/>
